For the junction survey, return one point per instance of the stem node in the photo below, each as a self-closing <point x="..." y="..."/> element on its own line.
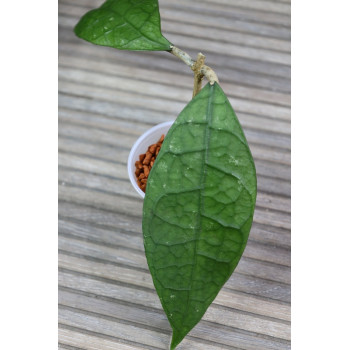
<point x="198" y="75"/>
<point x="199" y="68"/>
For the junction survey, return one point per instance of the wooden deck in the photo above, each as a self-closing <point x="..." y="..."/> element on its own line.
<point x="107" y="98"/>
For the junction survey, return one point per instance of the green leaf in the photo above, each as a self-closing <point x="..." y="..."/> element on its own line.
<point x="198" y="208"/>
<point x="125" y="25"/>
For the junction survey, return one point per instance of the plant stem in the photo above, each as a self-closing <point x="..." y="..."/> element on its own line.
<point x="198" y="75"/>
<point x="199" y="68"/>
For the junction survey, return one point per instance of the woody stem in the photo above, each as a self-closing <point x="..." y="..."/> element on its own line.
<point x="199" y="68"/>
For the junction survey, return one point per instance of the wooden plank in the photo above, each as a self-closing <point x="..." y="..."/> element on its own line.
<point x="270" y="161"/>
<point x="244" y="285"/>
<point x="278" y="160"/>
<point x="107" y="200"/>
<point x="139" y="115"/>
<point x="226" y="298"/>
<point x="210" y="8"/>
<point x="163" y="89"/>
<point x="102" y="235"/>
<point x="113" y="328"/>
<point x="240" y="51"/>
<point x="271" y="6"/>
<point x="208" y="330"/>
<point x="254" y="250"/>
<point x="246" y="271"/>
<point x="225" y="36"/>
<point x="95" y="217"/>
<point x="236" y="71"/>
<point x="93" y="342"/>
<point x="148" y="299"/>
<point x="183" y="81"/>
<point x="101" y="121"/>
<point x="158" y="97"/>
<point x="133" y="206"/>
<point x="238" y="24"/>
<point x="242" y="71"/>
<point x="260" y="31"/>
<point x="266" y="184"/>
<point x="107" y="235"/>
<point x="219" y="35"/>
<point x="136" y="258"/>
<point x="242" y="12"/>
<point x="107" y="137"/>
<point x="259" y="287"/>
<point x="193" y="44"/>
<point x="93" y="120"/>
<point x="150" y="338"/>
<point x="166" y="63"/>
<point x="214" y="318"/>
<point x="117" y="186"/>
<point x="280" y="6"/>
<point x="136" y="115"/>
<point x="99" y="217"/>
<point x="275" y="159"/>
<point x="164" y="93"/>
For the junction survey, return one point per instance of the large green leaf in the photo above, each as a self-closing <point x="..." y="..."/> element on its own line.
<point x="198" y="208"/>
<point x="125" y="25"/>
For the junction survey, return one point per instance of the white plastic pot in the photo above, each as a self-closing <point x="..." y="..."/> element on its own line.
<point x="150" y="137"/>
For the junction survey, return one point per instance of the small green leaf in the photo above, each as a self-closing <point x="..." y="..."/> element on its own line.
<point x="125" y="25"/>
<point x="198" y="208"/>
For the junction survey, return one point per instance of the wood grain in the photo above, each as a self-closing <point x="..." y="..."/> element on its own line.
<point x="107" y="99"/>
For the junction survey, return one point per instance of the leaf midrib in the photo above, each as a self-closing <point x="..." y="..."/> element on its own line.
<point x="202" y="182"/>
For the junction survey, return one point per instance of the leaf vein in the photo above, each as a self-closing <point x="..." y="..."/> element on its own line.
<point x="132" y="26"/>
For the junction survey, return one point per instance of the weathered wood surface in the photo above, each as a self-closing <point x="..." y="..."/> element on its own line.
<point x="107" y="98"/>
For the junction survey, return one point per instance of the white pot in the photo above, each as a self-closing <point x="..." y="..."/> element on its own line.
<point x="150" y="137"/>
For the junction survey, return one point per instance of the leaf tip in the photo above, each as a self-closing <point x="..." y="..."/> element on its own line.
<point x="173" y="344"/>
<point x="176" y="339"/>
